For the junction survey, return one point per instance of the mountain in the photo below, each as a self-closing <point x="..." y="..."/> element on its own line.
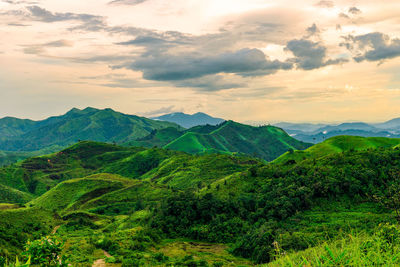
<point x="391" y="124"/>
<point x="266" y="142"/>
<point x="338" y="144"/>
<point x="321" y="136"/>
<point x="188" y="121"/>
<point x="301" y="127"/>
<point x="133" y="206"/>
<point x="104" y="125"/>
<point x="308" y="132"/>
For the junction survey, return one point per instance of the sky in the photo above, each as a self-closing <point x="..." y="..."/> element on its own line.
<point x="245" y="60"/>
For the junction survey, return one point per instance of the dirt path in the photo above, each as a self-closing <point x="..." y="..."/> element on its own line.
<point x="55" y="229"/>
<point x="101" y="262"/>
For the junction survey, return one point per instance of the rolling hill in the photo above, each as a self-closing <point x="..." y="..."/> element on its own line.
<point x="338" y="144"/>
<point x="188" y="121"/>
<point x="265" y="142"/>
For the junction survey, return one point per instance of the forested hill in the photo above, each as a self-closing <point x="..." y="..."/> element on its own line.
<point x="158" y="207"/>
<point x="266" y="142"/>
<point x="104" y="125"/>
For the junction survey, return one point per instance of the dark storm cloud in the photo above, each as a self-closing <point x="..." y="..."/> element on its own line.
<point x="167" y="67"/>
<point x="374" y="46"/>
<point x="127" y="2"/>
<point x="310" y="55"/>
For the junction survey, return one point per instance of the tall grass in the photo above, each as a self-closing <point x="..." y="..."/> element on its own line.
<point x="379" y="249"/>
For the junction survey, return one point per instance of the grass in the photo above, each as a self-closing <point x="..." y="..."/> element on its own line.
<point x="266" y="142"/>
<point x="338" y="144"/>
<point x="69" y="195"/>
<point x="352" y="250"/>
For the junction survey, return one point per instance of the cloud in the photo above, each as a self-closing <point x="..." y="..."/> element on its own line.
<point x="41" y="48"/>
<point x="13" y="2"/>
<point x="161" y="111"/>
<point x="168" y="67"/>
<point x="325" y="4"/>
<point x="354" y="11"/>
<point x="211" y="83"/>
<point x="35" y="13"/>
<point x="310" y="55"/>
<point x="313" y="30"/>
<point x="127" y="2"/>
<point x="18" y="25"/>
<point x="374" y="46"/>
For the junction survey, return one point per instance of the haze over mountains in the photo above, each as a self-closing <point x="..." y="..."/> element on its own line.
<point x="188" y="121"/>
<point x="316" y="133"/>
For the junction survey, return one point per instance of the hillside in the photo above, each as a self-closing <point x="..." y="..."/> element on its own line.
<point x="189" y="121"/>
<point x="88" y="124"/>
<point x="160" y="207"/>
<point x="265" y="142"/>
<point x="37" y="175"/>
<point x="336" y="145"/>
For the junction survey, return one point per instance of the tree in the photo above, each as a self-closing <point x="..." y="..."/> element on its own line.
<point x="389" y="196"/>
<point x="45" y="252"/>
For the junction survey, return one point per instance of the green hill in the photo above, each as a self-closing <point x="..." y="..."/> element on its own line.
<point x="265" y="142"/>
<point x="158" y="138"/>
<point x="158" y="207"/>
<point x="11" y="195"/>
<point x="336" y="145"/>
<point x="88" y="124"/>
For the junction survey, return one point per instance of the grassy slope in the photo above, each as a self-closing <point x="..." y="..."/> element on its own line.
<point x="265" y="142"/>
<point x="157" y="138"/>
<point x="339" y="144"/>
<point x="11" y="195"/>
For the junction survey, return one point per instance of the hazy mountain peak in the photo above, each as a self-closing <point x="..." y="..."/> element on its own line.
<point x="188" y="121"/>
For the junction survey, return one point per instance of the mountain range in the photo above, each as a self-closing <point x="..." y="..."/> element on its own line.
<point x="26" y="138"/>
<point x="316" y="133"/>
<point x="189" y="121"/>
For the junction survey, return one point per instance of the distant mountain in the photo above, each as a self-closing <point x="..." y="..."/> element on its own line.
<point x="309" y="133"/>
<point x="321" y="136"/>
<point x="105" y="125"/>
<point x="188" y="121"/>
<point x="303" y="127"/>
<point x="391" y="124"/>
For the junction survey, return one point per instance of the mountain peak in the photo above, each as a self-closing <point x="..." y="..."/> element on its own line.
<point x="189" y="121"/>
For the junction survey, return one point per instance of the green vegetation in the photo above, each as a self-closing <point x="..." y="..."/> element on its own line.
<point x="89" y="124"/>
<point x="336" y="145"/>
<point x="134" y="206"/>
<point x="266" y="142"/>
